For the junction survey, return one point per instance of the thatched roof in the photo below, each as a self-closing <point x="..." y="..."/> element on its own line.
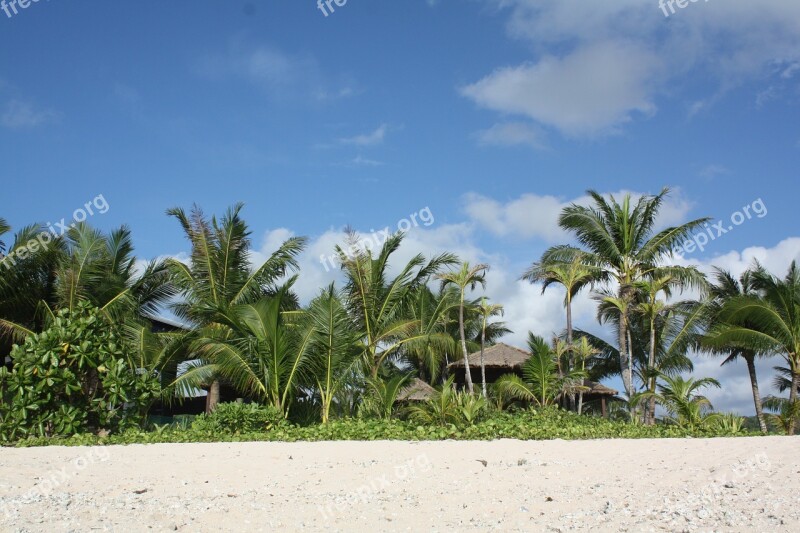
<point x="498" y="356"/>
<point x="598" y="389"/>
<point x="416" y="391"/>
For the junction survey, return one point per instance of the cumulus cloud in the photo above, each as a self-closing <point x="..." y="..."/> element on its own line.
<point x="598" y="65"/>
<point x="535" y="216"/>
<point x="588" y="92"/>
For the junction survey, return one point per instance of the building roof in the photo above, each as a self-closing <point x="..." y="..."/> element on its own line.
<point x="502" y="356"/>
<point x="498" y="356"/>
<point x="416" y="391"/>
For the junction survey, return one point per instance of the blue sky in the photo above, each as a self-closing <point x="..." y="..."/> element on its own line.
<point x="493" y="114"/>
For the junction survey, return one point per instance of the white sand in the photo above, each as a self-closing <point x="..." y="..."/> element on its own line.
<point x="613" y="485"/>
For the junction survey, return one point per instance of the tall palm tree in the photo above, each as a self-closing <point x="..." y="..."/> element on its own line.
<point x="620" y="239"/>
<point x="486" y="311"/>
<point x="378" y="304"/>
<point x="467" y="277"/>
<point x="772" y="321"/>
<point x="219" y="275"/>
<point x="573" y="275"/>
<point x="725" y="288"/>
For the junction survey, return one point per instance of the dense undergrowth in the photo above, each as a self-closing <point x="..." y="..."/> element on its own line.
<point x="542" y="424"/>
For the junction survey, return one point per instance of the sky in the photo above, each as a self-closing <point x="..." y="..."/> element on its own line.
<point x="473" y="122"/>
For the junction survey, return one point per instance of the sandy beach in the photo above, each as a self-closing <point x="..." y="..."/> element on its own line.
<point x="740" y="484"/>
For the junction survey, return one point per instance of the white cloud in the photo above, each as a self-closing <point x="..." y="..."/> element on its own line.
<point x="513" y="133"/>
<point x="24" y="115"/>
<point x="535" y="216"/>
<point x="616" y="59"/>
<point x="589" y="92"/>
<point x="372" y="138"/>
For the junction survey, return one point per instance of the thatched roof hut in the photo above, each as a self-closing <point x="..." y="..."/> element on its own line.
<point x="416" y="391"/>
<point x="500" y="356"/>
<point x="503" y="359"/>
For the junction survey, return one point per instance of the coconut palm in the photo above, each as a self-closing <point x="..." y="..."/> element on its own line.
<point x="467" y="277"/>
<point x="573" y="275"/>
<point x="653" y="310"/>
<point x="541" y="381"/>
<point x="769" y="322"/>
<point x="219" y="275"/>
<point x="486" y="311"/>
<point x="261" y="349"/>
<point x="26" y="280"/>
<point x="334" y="346"/>
<point x="682" y="400"/>
<point x="431" y="338"/>
<point x="90" y="266"/>
<point x="583" y="351"/>
<point x="378" y="304"/>
<point x="619" y="238"/>
<point x="724" y="289"/>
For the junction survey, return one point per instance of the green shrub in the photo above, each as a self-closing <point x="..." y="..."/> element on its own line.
<point x="74" y="377"/>
<point x="540" y="424"/>
<point x="239" y="418"/>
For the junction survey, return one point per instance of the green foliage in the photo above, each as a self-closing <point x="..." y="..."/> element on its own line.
<point x="449" y="407"/>
<point x="730" y="423"/>
<point x="72" y="378"/>
<point x="539" y="424"/>
<point x="381" y="396"/>
<point x="542" y="383"/>
<point x="238" y="418"/>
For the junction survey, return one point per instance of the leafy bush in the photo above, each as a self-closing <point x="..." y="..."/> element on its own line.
<point x="74" y="377"/>
<point x="540" y="424"/>
<point x="238" y="418"/>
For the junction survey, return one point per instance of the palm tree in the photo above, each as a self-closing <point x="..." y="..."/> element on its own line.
<point x="378" y="305"/>
<point x="87" y="266"/>
<point x="220" y="276"/>
<point x="770" y="322"/>
<point x="573" y="275"/>
<point x="486" y="311"/>
<point x="620" y="239"/>
<point x="683" y="402"/>
<point x="466" y="277"/>
<point x="653" y="311"/>
<point x="431" y="339"/>
<point x="725" y="289"/>
<point x="583" y="352"/>
<point x="541" y="381"/>
<point x="334" y="346"/>
<point x="262" y="349"/>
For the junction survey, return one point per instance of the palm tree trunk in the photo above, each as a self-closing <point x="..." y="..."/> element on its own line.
<point x="651" y="363"/>
<point x="571" y="358"/>
<point x="624" y="359"/>
<point x="212" y="399"/>
<point x="793" y="399"/>
<point x="483" y="367"/>
<point x="467" y="370"/>
<point x="751" y="369"/>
